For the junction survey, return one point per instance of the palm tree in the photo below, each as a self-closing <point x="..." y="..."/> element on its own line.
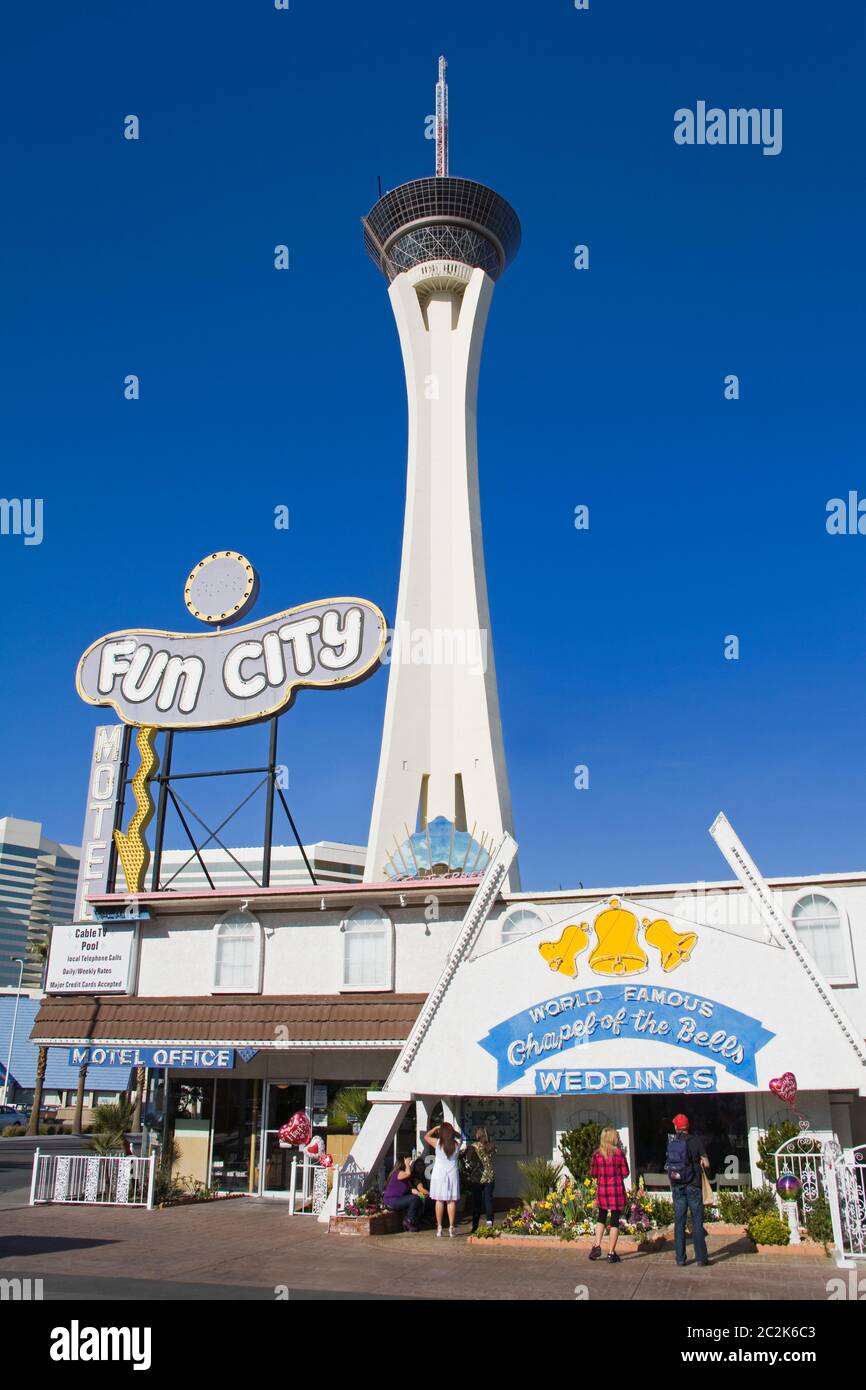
<point x="110" y="1124"/>
<point x="350" y="1106"/>
<point x="39" y="947"/>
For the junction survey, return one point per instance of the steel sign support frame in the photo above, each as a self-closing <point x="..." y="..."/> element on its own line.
<point x="269" y="807"/>
<point x="164" y="789"/>
<point x="124" y="780"/>
<point x="166" y="777"/>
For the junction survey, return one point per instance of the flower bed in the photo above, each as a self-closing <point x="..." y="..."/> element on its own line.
<point x="568" y="1213"/>
<point x="380" y="1223"/>
<point x="364" y="1206"/>
<point x="365" y="1216"/>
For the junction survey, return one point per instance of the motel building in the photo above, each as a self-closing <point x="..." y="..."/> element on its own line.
<point x="437" y="983"/>
<point x="621" y="1007"/>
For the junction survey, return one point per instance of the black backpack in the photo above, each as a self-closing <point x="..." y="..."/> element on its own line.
<point x="678" y="1161"/>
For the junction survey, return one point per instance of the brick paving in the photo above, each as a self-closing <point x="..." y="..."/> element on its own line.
<point x="256" y="1245"/>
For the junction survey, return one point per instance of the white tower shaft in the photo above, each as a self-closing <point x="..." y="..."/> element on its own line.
<point x="442" y="748"/>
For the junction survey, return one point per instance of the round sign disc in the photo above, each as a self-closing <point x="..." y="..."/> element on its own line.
<point x="222" y="588"/>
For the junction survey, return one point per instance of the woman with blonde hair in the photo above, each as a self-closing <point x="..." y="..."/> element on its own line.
<point x="610" y="1170"/>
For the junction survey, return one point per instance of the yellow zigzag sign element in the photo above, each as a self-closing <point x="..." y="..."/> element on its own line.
<point x="132" y="848"/>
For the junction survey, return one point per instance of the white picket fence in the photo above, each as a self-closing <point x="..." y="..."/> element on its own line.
<point x="93" y="1179"/>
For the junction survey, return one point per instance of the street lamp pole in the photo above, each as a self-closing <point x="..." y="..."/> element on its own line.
<point x="20" y="963"/>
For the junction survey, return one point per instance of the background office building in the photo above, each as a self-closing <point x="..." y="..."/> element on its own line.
<point x="330" y="862"/>
<point x="37" y="887"/>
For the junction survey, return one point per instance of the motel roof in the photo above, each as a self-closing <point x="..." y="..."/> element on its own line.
<point x="304" y="1021"/>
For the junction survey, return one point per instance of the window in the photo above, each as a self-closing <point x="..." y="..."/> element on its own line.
<point x="367" y="950"/>
<point x="238" y="955"/>
<point x="500" y="1117"/>
<point x="521" y="922"/>
<point x="819" y="925"/>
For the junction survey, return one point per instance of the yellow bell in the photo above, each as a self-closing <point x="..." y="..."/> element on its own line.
<point x="618" y="951"/>
<point x="675" y="948"/>
<point x="561" y="955"/>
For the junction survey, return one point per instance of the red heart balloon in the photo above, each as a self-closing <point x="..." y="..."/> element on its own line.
<point x="785" y="1087"/>
<point x="297" y="1130"/>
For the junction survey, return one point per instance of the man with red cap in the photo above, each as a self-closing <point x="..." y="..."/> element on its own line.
<point x="686" y="1156"/>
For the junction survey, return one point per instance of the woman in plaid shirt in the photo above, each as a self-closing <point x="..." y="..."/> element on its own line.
<point x="610" y="1169"/>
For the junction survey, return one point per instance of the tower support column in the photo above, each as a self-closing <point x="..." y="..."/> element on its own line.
<point x="442" y="748"/>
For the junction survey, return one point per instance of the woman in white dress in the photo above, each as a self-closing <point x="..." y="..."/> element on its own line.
<point x="445" y="1178"/>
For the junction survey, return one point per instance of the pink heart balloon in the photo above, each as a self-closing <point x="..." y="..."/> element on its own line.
<point x="315" y="1147"/>
<point x="785" y="1087"/>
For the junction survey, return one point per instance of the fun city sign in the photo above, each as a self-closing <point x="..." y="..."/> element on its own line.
<point x="157" y="680"/>
<point x="190" y="680"/>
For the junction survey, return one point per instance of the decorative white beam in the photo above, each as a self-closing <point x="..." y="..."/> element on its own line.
<point x="779" y="924"/>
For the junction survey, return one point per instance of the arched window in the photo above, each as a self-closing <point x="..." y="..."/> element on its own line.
<point x="367" y="950"/>
<point x="819" y="925"/>
<point x="238" y="954"/>
<point x="521" y="921"/>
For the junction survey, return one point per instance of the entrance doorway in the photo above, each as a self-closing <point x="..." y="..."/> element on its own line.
<point x="282" y="1100"/>
<point x="719" y="1121"/>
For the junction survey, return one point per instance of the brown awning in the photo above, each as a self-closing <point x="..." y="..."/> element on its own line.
<point x="272" y="1020"/>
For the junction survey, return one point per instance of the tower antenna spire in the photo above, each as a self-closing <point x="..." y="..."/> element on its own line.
<point x="442" y="122"/>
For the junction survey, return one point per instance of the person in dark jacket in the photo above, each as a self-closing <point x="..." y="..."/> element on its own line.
<point x="480" y="1176"/>
<point x="421" y="1187"/>
<point x="686" y="1156"/>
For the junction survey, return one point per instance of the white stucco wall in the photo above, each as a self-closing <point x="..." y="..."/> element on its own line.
<point x="303" y="952"/>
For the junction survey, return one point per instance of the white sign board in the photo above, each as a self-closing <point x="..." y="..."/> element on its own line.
<point x="92" y="958"/>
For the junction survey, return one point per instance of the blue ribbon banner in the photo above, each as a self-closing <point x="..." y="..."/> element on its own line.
<point x="206" y="1058"/>
<point x="653" y="1013"/>
<point x="598" y="1080"/>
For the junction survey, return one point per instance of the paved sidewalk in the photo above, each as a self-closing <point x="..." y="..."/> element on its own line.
<point x="249" y="1248"/>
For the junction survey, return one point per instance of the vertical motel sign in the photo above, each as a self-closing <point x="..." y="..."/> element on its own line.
<point x="104" y="788"/>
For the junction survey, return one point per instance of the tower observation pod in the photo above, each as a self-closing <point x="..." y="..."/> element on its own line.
<point x="442" y="800"/>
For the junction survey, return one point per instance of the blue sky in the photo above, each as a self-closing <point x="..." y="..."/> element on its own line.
<point x="604" y="388"/>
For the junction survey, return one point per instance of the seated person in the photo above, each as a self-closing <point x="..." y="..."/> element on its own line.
<point x="421" y="1186"/>
<point x="399" y="1194"/>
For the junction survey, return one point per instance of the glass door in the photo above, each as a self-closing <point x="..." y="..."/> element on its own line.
<point x="235" y="1135"/>
<point x="282" y="1100"/>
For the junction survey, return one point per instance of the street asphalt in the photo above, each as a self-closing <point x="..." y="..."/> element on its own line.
<point x="16" y="1162"/>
